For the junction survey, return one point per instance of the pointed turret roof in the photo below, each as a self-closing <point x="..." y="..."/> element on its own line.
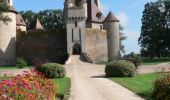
<point x="111" y="18"/>
<point x="38" y="25"/>
<point x="19" y="20"/>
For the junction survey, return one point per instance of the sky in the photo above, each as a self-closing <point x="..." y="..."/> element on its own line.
<point x="129" y="12"/>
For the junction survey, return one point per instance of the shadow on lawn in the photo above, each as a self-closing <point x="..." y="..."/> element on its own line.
<point x="146" y="95"/>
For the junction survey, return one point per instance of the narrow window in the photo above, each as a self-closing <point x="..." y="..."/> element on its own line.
<point x="72" y="35"/>
<point x="80" y="34"/>
<point x="76" y="24"/>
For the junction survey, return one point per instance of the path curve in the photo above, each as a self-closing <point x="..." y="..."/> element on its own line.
<point x="88" y="83"/>
<point x="163" y="67"/>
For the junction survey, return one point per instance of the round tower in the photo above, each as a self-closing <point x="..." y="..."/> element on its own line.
<point x="111" y="24"/>
<point x="8" y="38"/>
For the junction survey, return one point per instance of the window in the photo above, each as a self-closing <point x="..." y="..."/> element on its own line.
<point x="72" y="35"/>
<point x="76" y="24"/>
<point x="101" y="27"/>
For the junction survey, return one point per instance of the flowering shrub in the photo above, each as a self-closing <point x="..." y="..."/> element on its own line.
<point x="162" y="89"/>
<point x="27" y="87"/>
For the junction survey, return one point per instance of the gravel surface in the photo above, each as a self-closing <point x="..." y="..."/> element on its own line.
<point x="164" y="67"/>
<point x="89" y="83"/>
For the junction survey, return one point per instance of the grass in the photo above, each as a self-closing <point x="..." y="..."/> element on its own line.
<point x="154" y="61"/>
<point x="62" y="86"/>
<point x="140" y="84"/>
<point x="11" y="67"/>
<point x="146" y="61"/>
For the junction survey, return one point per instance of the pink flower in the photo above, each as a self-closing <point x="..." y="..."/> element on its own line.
<point x="4" y="96"/>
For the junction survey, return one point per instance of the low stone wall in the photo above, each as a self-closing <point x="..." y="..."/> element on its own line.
<point x="96" y="44"/>
<point x="41" y="44"/>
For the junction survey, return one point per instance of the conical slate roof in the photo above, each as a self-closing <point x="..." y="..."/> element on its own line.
<point x="38" y="25"/>
<point x="111" y="18"/>
<point x="19" y="20"/>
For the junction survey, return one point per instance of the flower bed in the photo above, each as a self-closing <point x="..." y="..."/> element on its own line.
<point x="27" y="87"/>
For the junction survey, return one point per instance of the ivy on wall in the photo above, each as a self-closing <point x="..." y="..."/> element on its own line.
<point x="3" y="8"/>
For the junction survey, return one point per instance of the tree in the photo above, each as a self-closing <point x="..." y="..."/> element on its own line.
<point x="152" y="31"/>
<point x="4" y="8"/>
<point x="122" y="38"/>
<point x="50" y="19"/>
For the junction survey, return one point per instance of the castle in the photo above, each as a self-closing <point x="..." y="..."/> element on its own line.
<point x="89" y="32"/>
<point x="82" y="14"/>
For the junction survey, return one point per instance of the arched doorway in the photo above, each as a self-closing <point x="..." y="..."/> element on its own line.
<point x="76" y="49"/>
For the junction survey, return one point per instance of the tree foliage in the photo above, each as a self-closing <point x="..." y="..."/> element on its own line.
<point x="154" y="38"/>
<point x="50" y="19"/>
<point x="122" y="38"/>
<point x="4" y="8"/>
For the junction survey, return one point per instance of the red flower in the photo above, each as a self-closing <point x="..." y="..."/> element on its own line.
<point x="0" y="92"/>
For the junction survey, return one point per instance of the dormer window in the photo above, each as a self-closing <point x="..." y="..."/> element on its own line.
<point x="77" y="2"/>
<point x="99" y="15"/>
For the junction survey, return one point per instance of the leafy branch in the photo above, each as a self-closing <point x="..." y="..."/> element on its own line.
<point x="4" y="8"/>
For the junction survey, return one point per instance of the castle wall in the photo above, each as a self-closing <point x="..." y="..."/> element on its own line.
<point x="96" y="44"/>
<point x="8" y="40"/>
<point x="22" y="28"/>
<point x="97" y="25"/>
<point x="44" y="45"/>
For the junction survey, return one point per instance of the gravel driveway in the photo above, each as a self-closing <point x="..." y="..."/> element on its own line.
<point x="88" y="83"/>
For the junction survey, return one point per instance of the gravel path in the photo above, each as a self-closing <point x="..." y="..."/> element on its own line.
<point x="164" y="67"/>
<point x="14" y="72"/>
<point x="88" y="83"/>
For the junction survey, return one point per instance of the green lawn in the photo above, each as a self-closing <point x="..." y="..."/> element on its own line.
<point x="11" y="67"/>
<point x="146" y="61"/>
<point x="140" y="84"/>
<point x="62" y="86"/>
<point x="154" y="61"/>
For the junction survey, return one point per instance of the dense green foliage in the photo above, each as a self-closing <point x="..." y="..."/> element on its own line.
<point x="50" y="19"/>
<point x="52" y="70"/>
<point x="154" y="39"/>
<point x="4" y="8"/>
<point x="21" y="63"/>
<point x="133" y="58"/>
<point x="162" y="88"/>
<point x="122" y="38"/>
<point x="120" y="68"/>
<point x="140" y="84"/>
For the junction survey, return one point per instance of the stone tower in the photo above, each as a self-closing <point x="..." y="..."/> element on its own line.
<point x="111" y="24"/>
<point x="75" y="13"/>
<point x="8" y="37"/>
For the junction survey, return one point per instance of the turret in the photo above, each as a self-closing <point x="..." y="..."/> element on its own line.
<point x="111" y="24"/>
<point x="8" y="37"/>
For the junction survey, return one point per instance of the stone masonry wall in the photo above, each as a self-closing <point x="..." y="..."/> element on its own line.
<point x="43" y="45"/>
<point x="96" y="44"/>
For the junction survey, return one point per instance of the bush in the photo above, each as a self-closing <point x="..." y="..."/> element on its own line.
<point x="52" y="70"/>
<point x="162" y="88"/>
<point x="120" y="68"/>
<point x="21" y="63"/>
<point x="135" y="60"/>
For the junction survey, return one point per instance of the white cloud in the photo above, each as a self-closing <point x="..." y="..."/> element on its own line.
<point x="131" y="43"/>
<point x="123" y="17"/>
<point x="104" y="8"/>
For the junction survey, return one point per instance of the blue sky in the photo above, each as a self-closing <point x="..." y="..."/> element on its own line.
<point x="129" y="12"/>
